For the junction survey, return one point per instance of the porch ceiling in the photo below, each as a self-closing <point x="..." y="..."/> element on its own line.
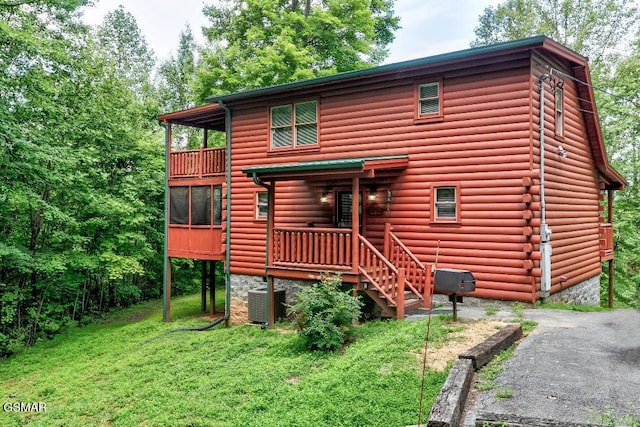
<point x="209" y="116"/>
<point x="361" y="166"/>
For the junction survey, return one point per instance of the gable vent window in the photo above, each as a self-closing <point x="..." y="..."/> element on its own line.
<point x="559" y="111"/>
<point x="429" y="99"/>
<point x="294" y="125"/>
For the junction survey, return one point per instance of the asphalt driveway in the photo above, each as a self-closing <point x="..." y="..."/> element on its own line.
<point x="573" y="368"/>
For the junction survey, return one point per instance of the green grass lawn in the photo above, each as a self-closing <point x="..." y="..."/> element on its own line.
<point x="107" y="374"/>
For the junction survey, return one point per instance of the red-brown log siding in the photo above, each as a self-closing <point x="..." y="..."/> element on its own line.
<point x="482" y="144"/>
<point x="571" y="187"/>
<point x="485" y="144"/>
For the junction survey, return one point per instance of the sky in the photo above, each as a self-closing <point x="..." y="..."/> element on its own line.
<point x="429" y="27"/>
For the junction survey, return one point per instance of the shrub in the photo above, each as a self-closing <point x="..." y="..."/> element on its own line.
<point x="324" y="314"/>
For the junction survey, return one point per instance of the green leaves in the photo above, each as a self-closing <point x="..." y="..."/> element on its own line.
<point x="259" y="43"/>
<point x="324" y="314"/>
<point x="81" y="163"/>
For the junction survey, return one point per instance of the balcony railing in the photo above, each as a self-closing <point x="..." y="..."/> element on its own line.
<point x="204" y="162"/>
<point x="312" y="247"/>
<point x="606" y="242"/>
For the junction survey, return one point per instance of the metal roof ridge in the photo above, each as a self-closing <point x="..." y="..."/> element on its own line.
<point x="385" y="68"/>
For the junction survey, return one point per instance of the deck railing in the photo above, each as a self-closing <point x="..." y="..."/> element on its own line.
<point x="203" y="162"/>
<point x="312" y="247"/>
<point x="606" y="241"/>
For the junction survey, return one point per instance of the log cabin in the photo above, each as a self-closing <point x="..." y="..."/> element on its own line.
<point x="489" y="159"/>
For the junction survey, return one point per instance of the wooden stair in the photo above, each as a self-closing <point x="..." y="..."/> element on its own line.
<point x="396" y="280"/>
<point x="389" y="309"/>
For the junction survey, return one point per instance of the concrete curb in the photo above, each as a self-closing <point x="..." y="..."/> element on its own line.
<point x="447" y="408"/>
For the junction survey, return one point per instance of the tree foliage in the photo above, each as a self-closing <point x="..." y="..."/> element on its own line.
<point x="256" y="43"/>
<point x="597" y="29"/>
<point x="80" y="169"/>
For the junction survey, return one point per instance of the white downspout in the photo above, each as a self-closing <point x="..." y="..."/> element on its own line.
<point x="545" y="231"/>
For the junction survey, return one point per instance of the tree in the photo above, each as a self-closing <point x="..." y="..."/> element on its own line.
<point x="80" y="173"/>
<point x="256" y="43"/>
<point x="621" y="130"/>
<point x="597" y="29"/>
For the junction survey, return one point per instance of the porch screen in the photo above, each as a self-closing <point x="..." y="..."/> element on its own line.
<point x="179" y="205"/>
<point x="201" y="205"/>
<point x="217" y="204"/>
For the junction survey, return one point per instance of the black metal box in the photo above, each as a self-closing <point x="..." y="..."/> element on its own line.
<point x="454" y="281"/>
<point x="257" y="309"/>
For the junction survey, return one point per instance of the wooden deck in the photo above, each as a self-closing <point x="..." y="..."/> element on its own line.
<point x="393" y="277"/>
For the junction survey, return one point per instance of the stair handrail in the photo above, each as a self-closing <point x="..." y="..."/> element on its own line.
<point x="394" y="269"/>
<point x="385" y="261"/>
<point x="416" y="271"/>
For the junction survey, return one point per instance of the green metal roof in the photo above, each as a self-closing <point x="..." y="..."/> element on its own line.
<point x="319" y="165"/>
<point x="529" y="42"/>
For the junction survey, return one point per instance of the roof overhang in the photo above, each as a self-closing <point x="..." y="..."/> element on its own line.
<point x="209" y="116"/>
<point x="611" y="178"/>
<point x="363" y="167"/>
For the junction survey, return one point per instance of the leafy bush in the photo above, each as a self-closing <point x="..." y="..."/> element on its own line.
<point x="324" y="314"/>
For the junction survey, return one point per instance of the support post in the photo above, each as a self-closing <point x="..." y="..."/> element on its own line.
<point x="355" y="223"/>
<point x="203" y="286"/>
<point x="166" y="313"/>
<point x="271" y="192"/>
<point x="400" y="295"/>
<point x="212" y="287"/>
<point x="386" y="248"/>
<point x="166" y="277"/>
<point x="610" y="271"/>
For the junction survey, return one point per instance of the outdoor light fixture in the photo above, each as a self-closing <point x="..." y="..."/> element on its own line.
<point x="389" y="197"/>
<point x="372" y="194"/>
<point x="324" y="198"/>
<point x="563" y="153"/>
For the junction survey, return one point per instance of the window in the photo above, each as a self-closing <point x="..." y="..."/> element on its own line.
<point x="446" y="204"/>
<point x="262" y="205"/>
<point x="559" y="111"/>
<point x="194" y="205"/>
<point x="294" y="125"/>
<point x="429" y="100"/>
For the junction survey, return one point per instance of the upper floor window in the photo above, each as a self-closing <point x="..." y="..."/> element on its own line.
<point x="559" y="111"/>
<point x="294" y="125"/>
<point x="429" y="101"/>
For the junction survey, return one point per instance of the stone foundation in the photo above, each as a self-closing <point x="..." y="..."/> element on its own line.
<point x="242" y="284"/>
<point x="584" y="293"/>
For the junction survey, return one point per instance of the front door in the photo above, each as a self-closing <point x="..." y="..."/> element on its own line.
<point x="344" y="214"/>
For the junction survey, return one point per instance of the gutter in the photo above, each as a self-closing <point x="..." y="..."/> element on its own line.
<point x="269" y="188"/>
<point x="545" y="231"/>
<point x="227" y="252"/>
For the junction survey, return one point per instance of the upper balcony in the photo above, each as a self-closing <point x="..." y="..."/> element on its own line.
<point x="606" y="242"/>
<point x="197" y="164"/>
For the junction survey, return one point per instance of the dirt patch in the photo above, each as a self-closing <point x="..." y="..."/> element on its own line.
<point x="239" y="311"/>
<point x="473" y="333"/>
